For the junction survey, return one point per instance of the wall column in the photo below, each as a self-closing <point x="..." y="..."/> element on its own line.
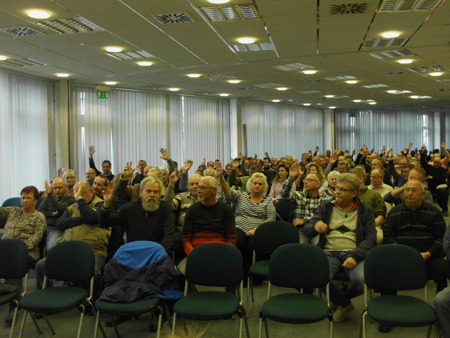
<point x="61" y="125"/>
<point x="235" y="127"/>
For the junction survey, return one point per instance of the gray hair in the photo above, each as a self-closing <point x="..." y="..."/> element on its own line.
<point x="151" y="180"/>
<point x="158" y="171"/>
<point x="332" y="174"/>
<point x="350" y="178"/>
<point x="258" y="176"/>
<point x="195" y="175"/>
<point x="164" y="169"/>
<point x="69" y="172"/>
<point x="212" y="181"/>
<point x="379" y="171"/>
<point x="210" y="169"/>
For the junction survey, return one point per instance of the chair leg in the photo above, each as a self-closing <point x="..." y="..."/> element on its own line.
<point x="47" y="321"/>
<point x="81" y="321"/>
<point x="251" y="287"/>
<point x="115" y="326"/>
<point x="429" y="331"/>
<point x="174" y="322"/>
<point x="158" y="332"/>
<point x="98" y="323"/>
<point x="331" y="328"/>
<point x="165" y="309"/>
<point x="244" y="316"/>
<point x="363" y="323"/>
<point x="260" y="326"/>
<point x="267" y="328"/>
<point x="14" y="319"/>
<point x="35" y="323"/>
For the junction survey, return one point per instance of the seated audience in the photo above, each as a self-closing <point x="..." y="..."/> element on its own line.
<point x="241" y="181"/>
<point x="90" y="176"/>
<point x="106" y="165"/>
<point x="140" y="173"/>
<point x="347" y="233"/>
<point x="332" y="181"/>
<point x="277" y="183"/>
<point x="27" y="224"/>
<point x="376" y="179"/>
<point x="53" y="206"/>
<point x="70" y="177"/>
<point x="61" y="172"/>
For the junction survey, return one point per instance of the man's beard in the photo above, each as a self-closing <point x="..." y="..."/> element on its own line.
<point x="151" y="204"/>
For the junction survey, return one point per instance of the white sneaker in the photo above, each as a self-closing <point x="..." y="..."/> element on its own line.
<point x="342" y="312"/>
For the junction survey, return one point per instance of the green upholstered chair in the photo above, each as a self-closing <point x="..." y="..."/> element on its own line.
<point x="396" y="267"/>
<point x="13" y="265"/>
<point x="267" y="238"/>
<point x="284" y="208"/>
<point x="297" y="266"/>
<point x="213" y="264"/>
<point x="12" y="202"/>
<point x="71" y="261"/>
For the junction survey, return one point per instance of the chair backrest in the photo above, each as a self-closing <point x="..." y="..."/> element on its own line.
<point x="299" y="266"/>
<point x="394" y="267"/>
<point x="12" y="202"/>
<point x="284" y="208"/>
<point x="41" y="199"/>
<point x="70" y="261"/>
<point x="271" y="235"/>
<point x="13" y="258"/>
<point x="291" y="216"/>
<point x="215" y="264"/>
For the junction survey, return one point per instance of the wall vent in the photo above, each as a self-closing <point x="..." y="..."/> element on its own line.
<point x="154" y="86"/>
<point x="428" y="69"/>
<point x="233" y="12"/>
<point x="216" y="77"/>
<point x="293" y="66"/>
<point x="347" y="8"/>
<point x="392" y="6"/>
<point x="443" y="80"/>
<point x="394" y="73"/>
<point x="246" y="88"/>
<point x="379" y="43"/>
<point x="391" y="54"/>
<point x="339" y="78"/>
<point x="173" y="19"/>
<point x="378" y="94"/>
<point x="72" y="25"/>
<point x="22" y="63"/>
<point x="310" y="92"/>
<point x="269" y="85"/>
<point x="22" y="31"/>
<point x="314" y="81"/>
<point x="253" y="47"/>
<point x="444" y="90"/>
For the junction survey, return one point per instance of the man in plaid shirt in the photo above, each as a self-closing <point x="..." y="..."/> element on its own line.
<point x="307" y="201"/>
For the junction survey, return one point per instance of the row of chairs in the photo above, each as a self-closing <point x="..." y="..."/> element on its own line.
<point x="216" y="264"/>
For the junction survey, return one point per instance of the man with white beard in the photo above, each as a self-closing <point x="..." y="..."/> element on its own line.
<point x="147" y="219"/>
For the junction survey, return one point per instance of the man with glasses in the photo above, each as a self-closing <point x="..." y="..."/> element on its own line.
<point x="376" y="184"/>
<point x="307" y="201"/>
<point x="347" y="232"/>
<point x="90" y="176"/>
<point x="421" y="226"/>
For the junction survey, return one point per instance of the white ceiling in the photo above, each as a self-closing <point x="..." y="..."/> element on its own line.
<point x="300" y="31"/>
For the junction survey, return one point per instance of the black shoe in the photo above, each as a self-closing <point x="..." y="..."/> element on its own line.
<point x="384" y="328"/>
<point x="117" y="320"/>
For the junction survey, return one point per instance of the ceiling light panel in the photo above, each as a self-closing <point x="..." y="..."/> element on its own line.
<point x="253" y="47"/>
<point x="382" y="43"/>
<point x="216" y="77"/>
<point x="131" y="55"/>
<point x="293" y="66"/>
<point x="429" y="69"/>
<point x="339" y="78"/>
<point x="173" y="19"/>
<point x="443" y="80"/>
<point x="380" y="85"/>
<point x="391" y="54"/>
<point x="310" y="92"/>
<point x="72" y="25"/>
<point x="22" y="63"/>
<point x="22" y="31"/>
<point x="269" y="85"/>
<point x="392" y="6"/>
<point x="394" y="73"/>
<point x="230" y="12"/>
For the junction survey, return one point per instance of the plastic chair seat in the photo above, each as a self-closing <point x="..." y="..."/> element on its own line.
<point x="401" y="311"/>
<point x="63" y="298"/>
<point x="4" y="299"/>
<point x="260" y="268"/>
<point x="295" y="308"/>
<point x="207" y="305"/>
<point x="140" y="306"/>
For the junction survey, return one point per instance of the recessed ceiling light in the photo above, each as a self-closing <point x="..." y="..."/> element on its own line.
<point x="351" y="81"/>
<point x="436" y="74"/>
<point x="307" y="104"/>
<point x="62" y="75"/>
<point x="309" y="72"/>
<point x="224" y="94"/>
<point x="234" y="81"/>
<point x="194" y="75"/>
<point x="174" y="89"/>
<point x="38" y="14"/>
<point x="372" y="103"/>
<point x="218" y="1"/>
<point x="369" y="100"/>
<point x="113" y="49"/>
<point x="332" y="107"/>
<point x="405" y="61"/>
<point x="276" y="100"/>
<point x="291" y="100"/>
<point x="391" y="35"/>
<point x="110" y="83"/>
<point x="144" y="63"/>
<point x="329" y="96"/>
<point x="246" y="40"/>
<point x="281" y="88"/>
<point x="2" y="57"/>
<point x="356" y="100"/>
<point x="392" y="91"/>
<point x="414" y="97"/>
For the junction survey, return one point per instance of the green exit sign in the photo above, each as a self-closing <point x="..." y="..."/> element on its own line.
<point x="102" y="95"/>
<point x="351" y="114"/>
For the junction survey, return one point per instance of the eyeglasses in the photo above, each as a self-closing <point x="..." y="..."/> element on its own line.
<point x="309" y="180"/>
<point x="90" y="173"/>
<point x="375" y="176"/>
<point x="343" y="190"/>
<point x="414" y="191"/>
<point x="200" y="187"/>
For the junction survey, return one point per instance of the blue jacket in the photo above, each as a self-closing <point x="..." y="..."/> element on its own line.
<point x="138" y="270"/>
<point x="366" y="233"/>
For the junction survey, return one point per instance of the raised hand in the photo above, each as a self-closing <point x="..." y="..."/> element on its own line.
<point x="174" y="177"/>
<point x="294" y="171"/>
<point x="219" y="169"/>
<point x="267" y="154"/>
<point x="48" y="188"/>
<point x="108" y="194"/>
<point x="391" y="153"/>
<point x="91" y="151"/>
<point x="410" y="145"/>
<point x="127" y="171"/>
<point x="78" y="190"/>
<point x="443" y="145"/>
<point x="187" y="166"/>
<point x="333" y="159"/>
<point x="317" y="149"/>
<point x="165" y="155"/>
<point x="353" y="152"/>
<point x="240" y="156"/>
<point x="243" y="157"/>
<point x="235" y="163"/>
